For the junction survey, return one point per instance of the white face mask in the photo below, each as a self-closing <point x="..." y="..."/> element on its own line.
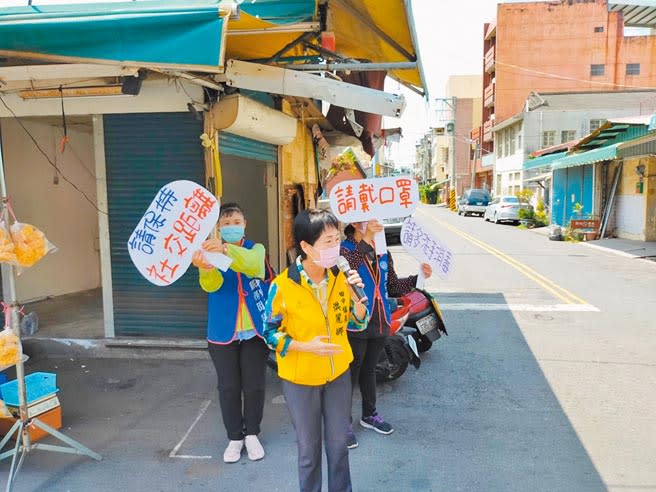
<point x="327" y="257"/>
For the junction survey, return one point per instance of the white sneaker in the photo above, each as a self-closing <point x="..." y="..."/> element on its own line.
<point x="254" y="448"/>
<point x="232" y="453"/>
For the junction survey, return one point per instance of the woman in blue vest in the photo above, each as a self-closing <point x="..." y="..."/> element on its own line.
<point x="236" y="310"/>
<point x="380" y="282"/>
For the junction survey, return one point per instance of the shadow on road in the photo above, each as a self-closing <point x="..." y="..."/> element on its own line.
<point x="480" y="416"/>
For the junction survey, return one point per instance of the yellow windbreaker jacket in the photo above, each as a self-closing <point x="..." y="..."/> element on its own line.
<point x="294" y="313"/>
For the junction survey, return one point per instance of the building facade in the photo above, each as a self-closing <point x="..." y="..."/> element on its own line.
<point x="562" y="46"/>
<point x="556" y="122"/>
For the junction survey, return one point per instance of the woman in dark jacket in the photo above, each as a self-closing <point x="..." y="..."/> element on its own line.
<point x="381" y="282"/>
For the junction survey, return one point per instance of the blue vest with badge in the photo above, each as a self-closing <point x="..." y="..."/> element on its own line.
<point x="366" y="273"/>
<point x="223" y="304"/>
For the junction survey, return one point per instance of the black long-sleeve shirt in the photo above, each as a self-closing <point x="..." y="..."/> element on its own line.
<point x="378" y="326"/>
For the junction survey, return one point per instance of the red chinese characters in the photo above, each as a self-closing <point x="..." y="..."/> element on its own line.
<point x="346" y="201"/>
<point x="405" y="197"/>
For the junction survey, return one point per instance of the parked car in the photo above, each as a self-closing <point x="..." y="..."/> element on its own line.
<point x="473" y="201"/>
<point x="504" y="209"/>
<point x="393" y="229"/>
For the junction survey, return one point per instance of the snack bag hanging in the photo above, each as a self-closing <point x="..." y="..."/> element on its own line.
<point x="30" y="244"/>
<point x="7" y="253"/>
<point x="10" y="351"/>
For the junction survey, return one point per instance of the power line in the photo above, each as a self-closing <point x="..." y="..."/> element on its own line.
<point x="43" y="152"/>
<point x="574" y="79"/>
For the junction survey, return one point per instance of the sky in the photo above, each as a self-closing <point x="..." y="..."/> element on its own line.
<point x="450" y="34"/>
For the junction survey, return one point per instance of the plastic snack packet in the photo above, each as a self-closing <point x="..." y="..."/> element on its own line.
<point x="10" y="351"/>
<point x="4" y="413"/>
<point x="30" y="244"/>
<point x="7" y="254"/>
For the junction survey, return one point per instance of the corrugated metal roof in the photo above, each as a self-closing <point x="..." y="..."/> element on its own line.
<point x="637" y="13"/>
<point x="641" y="146"/>
<point x="543" y="161"/>
<point x="609" y="100"/>
<point x="601" y="154"/>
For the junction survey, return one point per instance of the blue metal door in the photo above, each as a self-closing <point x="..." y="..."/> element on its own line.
<point x="574" y="190"/>
<point x="558" y="204"/>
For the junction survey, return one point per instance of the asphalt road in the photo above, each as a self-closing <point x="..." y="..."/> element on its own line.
<point x="545" y="383"/>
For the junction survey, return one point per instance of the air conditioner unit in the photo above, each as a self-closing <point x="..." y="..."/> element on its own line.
<point x="249" y="118"/>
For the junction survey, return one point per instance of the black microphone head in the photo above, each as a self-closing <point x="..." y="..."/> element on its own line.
<point x="343" y="264"/>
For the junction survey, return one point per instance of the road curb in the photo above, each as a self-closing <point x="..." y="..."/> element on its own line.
<point x="116" y="348"/>
<point x="618" y="252"/>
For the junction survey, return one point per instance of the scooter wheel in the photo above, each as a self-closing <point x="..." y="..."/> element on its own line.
<point x="393" y="360"/>
<point x="272" y="362"/>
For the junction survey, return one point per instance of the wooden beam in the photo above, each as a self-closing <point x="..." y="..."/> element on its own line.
<point x="111" y="90"/>
<point x="64" y="71"/>
<point x="28" y="55"/>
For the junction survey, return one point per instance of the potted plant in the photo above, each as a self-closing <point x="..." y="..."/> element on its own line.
<point x="527" y="217"/>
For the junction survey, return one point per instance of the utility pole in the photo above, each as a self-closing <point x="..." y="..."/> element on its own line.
<point x="449" y="106"/>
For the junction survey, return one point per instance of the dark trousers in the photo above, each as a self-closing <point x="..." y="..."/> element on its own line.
<point x="240" y="369"/>
<point x="366" y="352"/>
<point x="308" y="406"/>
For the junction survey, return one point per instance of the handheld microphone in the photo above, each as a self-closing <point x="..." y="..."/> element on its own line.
<point x="343" y="265"/>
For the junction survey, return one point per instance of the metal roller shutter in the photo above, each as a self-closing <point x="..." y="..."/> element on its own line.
<point x="144" y="152"/>
<point x="245" y="147"/>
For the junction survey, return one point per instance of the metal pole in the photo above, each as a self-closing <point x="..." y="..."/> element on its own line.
<point x="9" y="294"/>
<point x="22" y="430"/>
<point x="353" y="67"/>
<point x="452" y="146"/>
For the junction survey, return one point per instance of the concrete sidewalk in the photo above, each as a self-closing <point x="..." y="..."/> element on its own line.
<point x="626" y="247"/>
<point x="622" y="247"/>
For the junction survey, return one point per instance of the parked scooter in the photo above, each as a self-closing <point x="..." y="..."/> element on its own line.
<point x="417" y="323"/>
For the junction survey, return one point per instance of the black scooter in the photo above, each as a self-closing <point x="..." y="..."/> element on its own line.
<point x="421" y="325"/>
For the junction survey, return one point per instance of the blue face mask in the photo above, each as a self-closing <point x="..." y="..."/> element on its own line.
<point x="232" y="234"/>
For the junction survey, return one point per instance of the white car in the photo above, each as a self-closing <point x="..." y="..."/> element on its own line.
<point x="503" y="209"/>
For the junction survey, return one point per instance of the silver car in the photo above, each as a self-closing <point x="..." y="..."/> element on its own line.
<point x="503" y="209"/>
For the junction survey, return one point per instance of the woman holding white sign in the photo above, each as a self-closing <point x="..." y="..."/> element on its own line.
<point x="380" y="283"/>
<point x="236" y="305"/>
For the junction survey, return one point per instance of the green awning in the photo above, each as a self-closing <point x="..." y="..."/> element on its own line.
<point x="171" y="32"/>
<point x="281" y="11"/>
<point x="543" y="160"/>
<point x="601" y="154"/>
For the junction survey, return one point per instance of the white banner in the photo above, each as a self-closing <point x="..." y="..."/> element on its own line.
<point x="426" y="248"/>
<point x="360" y="200"/>
<point x="174" y="226"/>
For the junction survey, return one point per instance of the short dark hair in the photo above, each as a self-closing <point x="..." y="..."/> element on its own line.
<point x="349" y="231"/>
<point x="309" y="224"/>
<point x="230" y="208"/>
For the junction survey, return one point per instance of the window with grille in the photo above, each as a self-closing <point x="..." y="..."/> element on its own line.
<point x="567" y="135"/>
<point x="595" y="124"/>
<point x="633" y="69"/>
<point x="599" y="29"/>
<point x="548" y="138"/>
<point x="596" y="70"/>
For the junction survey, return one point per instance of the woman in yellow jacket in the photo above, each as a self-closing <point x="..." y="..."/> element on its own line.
<point x="309" y="308"/>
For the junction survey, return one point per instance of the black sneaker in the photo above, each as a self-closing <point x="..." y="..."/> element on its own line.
<point x="351" y="441"/>
<point x="376" y="423"/>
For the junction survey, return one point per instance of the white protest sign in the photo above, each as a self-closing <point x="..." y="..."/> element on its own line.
<point x="359" y="200"/>
<point x="176" y="223"/>
<point x="425" y="247"/>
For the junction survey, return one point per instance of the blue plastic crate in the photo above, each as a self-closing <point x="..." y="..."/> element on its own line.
<point x="38" y="386"/>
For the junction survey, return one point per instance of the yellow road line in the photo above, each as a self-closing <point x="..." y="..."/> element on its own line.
<point x="548" y="285"/>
